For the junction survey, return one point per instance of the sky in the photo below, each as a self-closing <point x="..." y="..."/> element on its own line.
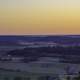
<point x="39" y="17"/>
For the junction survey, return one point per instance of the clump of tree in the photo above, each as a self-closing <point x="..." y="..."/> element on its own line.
<point x="17" y="78"/>
<point x="77" y="78"/>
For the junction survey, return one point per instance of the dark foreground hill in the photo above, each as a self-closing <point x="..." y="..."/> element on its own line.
<point x="65" y="54"/>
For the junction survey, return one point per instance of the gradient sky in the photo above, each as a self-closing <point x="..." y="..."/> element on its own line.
<point x="39" y="17"/>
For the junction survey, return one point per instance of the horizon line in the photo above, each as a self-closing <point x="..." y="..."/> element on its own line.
<point x="40" y="35"/>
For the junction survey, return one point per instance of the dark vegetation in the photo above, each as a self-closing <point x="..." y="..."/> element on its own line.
<point x="66" y="54"/>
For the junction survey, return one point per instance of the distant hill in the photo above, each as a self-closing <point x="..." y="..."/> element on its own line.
<point x="68" y="39"/>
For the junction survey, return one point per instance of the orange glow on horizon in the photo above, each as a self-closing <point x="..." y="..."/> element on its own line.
<point x="62" y="18"/>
